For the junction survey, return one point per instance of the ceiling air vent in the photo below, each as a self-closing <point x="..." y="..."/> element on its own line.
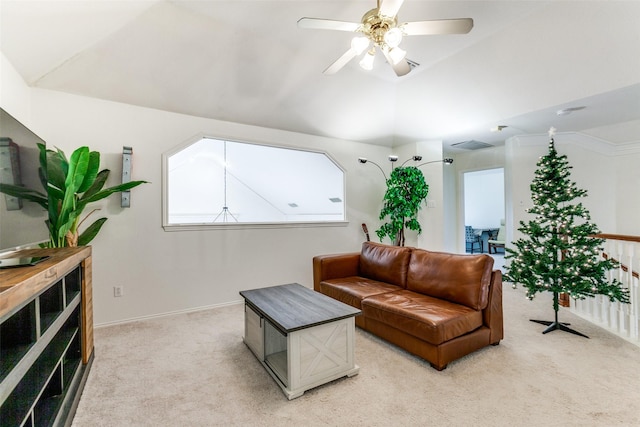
<point x="471" y="145"/>
<point x="412" y="64"/>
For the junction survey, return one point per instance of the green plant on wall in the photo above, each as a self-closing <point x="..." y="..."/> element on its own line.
<point x="69" y="186"/>
<point x="406" y="190"/>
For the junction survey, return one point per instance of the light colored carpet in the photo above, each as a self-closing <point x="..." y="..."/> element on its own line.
<point x="193" y="369"/>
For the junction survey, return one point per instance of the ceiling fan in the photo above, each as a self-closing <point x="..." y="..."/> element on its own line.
<point x="380" y="29"/>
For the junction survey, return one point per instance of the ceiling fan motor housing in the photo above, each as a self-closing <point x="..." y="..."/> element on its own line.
<point x="375" y="26"/>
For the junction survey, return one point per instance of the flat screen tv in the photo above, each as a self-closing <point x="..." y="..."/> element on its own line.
<point x="22" y="223"/>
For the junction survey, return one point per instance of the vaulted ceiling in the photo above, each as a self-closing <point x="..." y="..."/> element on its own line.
<point x="248" y="62"/>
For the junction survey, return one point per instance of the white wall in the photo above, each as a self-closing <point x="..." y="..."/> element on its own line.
<point x="627" y="190"/>
<point x="484" y="198"/>
<point x="14" y="93"/>
<point x="450" y="210"/>
<point x="432" y="217"/>
<point x="595" y="167"/>
<point x="172" y="271"/>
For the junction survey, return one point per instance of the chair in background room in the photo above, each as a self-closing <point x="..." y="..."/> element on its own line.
<point x="471" y="239"/>
<point x="497" y="241"/>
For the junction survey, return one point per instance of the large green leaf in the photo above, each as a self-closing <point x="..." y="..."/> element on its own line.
<point x="42" y="170"/>
<point x="97" y="185"/>
<point x="93" y="167"/>
<point x="63" y="161"/>
<point x="90" y="233"/>
<point x="77" y="170"/>
<point x="55" y="193"/>
<point x="57" y="168"/>
<point x="108" y="191"/>
<point x="78" y="167"/>
<point x="53" y="208"/>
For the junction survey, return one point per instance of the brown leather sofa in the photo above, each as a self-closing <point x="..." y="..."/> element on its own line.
<point x="438" y="306"/>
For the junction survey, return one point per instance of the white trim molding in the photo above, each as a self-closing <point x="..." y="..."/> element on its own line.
<point x="581" y="140"/>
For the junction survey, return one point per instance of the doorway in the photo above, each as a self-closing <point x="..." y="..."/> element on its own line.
<point x="484" y="202"/>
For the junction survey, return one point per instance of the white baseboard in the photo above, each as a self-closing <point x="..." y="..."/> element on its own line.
<point x="170" y="313"/>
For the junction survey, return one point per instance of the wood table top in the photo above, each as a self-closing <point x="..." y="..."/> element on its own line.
<point x="293" y="307"/>
<point x="19" y="285"/>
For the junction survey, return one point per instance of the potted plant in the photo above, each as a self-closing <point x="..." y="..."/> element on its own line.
<point x="69" y="186"/>
<point x="406" y="190"/>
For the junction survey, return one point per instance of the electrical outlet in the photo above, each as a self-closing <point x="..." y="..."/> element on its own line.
<point x="118" y="291"/>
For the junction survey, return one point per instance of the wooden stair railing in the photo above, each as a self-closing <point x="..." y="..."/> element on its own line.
<point x="624" y="238"/>
<point x="564" y="297"/>
<point x="621" y="319"/>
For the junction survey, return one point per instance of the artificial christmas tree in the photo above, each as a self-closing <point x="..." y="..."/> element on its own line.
<point x="559" y="253"/>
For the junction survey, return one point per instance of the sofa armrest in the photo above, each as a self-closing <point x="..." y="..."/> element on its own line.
<point x="492" y="314"/>
<point x="326" y="267"/>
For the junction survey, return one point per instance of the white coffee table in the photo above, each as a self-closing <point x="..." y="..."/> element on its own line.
<point x="303" y="338"/>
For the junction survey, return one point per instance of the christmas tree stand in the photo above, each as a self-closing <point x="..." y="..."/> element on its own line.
<point x="555" y="325"/>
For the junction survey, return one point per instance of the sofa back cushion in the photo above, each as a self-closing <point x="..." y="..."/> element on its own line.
<point x="462" y="279"/>
<point x="385" y="263"/>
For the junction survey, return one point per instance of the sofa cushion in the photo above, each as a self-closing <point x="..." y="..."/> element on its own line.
<point x="427" y="318"/>
<point x="385" y="263"/>
<point x="352" y="290"/>
<point x="461" y="279"/>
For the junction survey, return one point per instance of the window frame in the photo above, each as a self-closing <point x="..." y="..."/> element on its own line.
<point x="244" y="225"/>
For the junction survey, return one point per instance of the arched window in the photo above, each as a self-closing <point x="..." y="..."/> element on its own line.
<point x="220" y="182"/>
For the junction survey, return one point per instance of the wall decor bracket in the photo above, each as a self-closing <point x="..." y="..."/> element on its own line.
<point x="127" y="154"/>
<point x="10" y="170"/>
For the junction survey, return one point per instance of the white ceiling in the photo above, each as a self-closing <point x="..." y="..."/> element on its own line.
<point x="247" y="62"/>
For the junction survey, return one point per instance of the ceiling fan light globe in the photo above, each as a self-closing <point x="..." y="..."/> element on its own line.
<point x="359" y="44"/>
<point x="396" y="54"/>
<point x="367" y="61"/>
<point x="393" y="37"/>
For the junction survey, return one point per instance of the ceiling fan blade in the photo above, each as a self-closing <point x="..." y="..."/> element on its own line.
<point x="327" y="24"/>
<point x="340" y="62"/>
<point x="441" y="26"/>
<point x="401" y="68"/>
<point x="390" y="7"/>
